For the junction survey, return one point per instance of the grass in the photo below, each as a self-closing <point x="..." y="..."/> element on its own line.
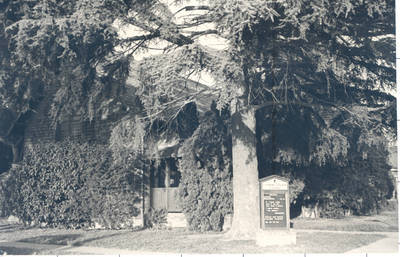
<point x="181" y="241"/>
<point x="384" y="222"/>
<point x="17" y="251"/>
<point x="184" y="241"/>
<point x="323" y="242"/>
<point x="59" y="239"/>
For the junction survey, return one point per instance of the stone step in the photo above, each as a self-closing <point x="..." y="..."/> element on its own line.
<point x="176" y="220"/>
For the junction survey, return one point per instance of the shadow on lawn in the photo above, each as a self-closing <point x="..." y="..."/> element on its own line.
<point x="7" y="250"/>
<point x="64" y="239"/>
<point x="11" y="227"/>
<point x="81" y="243"/>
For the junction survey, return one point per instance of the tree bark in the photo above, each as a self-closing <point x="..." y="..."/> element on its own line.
<point x="17" y="150"/>
<point x="146" y="180"/>
<point x="246" y="217"/>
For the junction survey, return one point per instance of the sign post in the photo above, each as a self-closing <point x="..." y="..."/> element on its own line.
<point x="275" y="212"/>
<point x="274" y="203"/>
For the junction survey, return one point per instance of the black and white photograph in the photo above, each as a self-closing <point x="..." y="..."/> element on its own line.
<point x="182" y="127"/>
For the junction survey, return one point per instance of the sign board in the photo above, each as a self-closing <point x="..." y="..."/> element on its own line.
<point x="274" y="196"/>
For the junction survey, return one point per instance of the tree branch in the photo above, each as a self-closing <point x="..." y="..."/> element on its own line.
<point x="202" y="33"/>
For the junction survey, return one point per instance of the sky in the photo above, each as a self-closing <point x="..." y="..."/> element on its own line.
<point x="211" y="41"/>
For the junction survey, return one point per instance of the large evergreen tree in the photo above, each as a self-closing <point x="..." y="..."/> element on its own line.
<point x="314" y="56"/>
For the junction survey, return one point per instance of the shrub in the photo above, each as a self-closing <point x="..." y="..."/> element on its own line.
<point x="70" y="185"/>
<point x="367" y="184"/>
<point x="157" y="219"/>
<point x="206" y="169"/>
<point x="116" y="196"/>
<point x="6" y="188"/>
<point x="296" y="187"/>
<point x="361" y="187"/>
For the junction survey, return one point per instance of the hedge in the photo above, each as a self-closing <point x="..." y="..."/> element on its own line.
<point x="70" y="185"/>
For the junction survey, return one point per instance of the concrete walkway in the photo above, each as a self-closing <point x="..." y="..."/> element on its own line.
<point x="109" y="251"/>
<point x="388" y="234"/>
<point x="389" y="244"/>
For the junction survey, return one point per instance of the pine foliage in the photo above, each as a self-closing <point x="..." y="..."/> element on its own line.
<point x="64" y="47"/>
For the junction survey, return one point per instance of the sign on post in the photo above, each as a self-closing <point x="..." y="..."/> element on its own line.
<point x="274" y="197"/>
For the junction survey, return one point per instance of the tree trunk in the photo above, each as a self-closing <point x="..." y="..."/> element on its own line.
<point x="167" y="179"/>
<point x="246" y="217"/>
<point x="146" y="180"/>
<point x="16" y="150"/>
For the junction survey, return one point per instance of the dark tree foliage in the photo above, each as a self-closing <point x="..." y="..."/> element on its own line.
<point x="316" y="56"/>
<point x="60" y="50"/>
<point x="181" y="126"/>
<point x="362" y="186"/>
<point x="18" y="90"/>
<point x="6" y="157"/>
<point x="349" y="175"/>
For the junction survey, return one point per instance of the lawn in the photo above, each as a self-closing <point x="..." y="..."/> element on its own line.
<point x="386" y="221"/>
<point x="184" y="241"/>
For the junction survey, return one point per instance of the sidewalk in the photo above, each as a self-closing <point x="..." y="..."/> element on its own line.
<point x="390" y="244"/>
<point x="388" y="234"/>
<point x="107" y="251"/>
